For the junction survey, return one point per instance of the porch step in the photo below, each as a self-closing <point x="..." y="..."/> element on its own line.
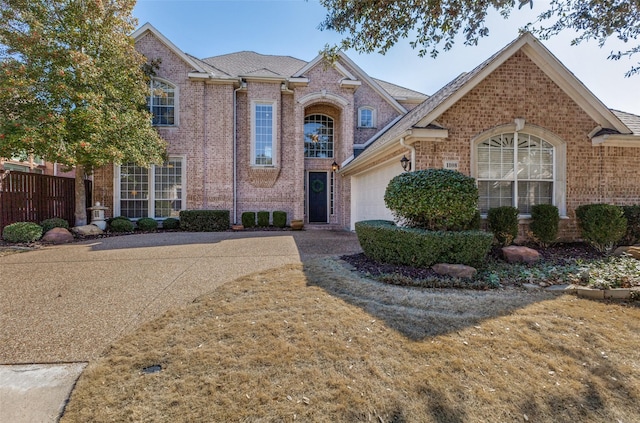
<point x="323" y="227"/>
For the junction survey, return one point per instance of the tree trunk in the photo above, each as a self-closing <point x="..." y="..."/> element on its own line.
<point x="81" y="201"/>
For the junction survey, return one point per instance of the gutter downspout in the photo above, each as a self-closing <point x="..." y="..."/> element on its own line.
<point x="204" y="146"/>
<point x="235" y="151"/>
<point x="413" y="152"/>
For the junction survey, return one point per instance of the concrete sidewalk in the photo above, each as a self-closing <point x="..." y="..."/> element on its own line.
<point x="64" y="305"/>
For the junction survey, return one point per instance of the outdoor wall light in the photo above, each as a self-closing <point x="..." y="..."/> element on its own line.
<point x="406" y="163"/>
<point x="335" y="166"/>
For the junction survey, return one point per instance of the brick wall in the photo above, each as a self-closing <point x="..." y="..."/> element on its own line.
<point x="519" y="89"/>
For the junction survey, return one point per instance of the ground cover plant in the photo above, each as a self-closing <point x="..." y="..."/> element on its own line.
<point x="320" y="343"/>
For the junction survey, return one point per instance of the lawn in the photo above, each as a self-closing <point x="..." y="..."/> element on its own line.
<point x="319" y="343"/>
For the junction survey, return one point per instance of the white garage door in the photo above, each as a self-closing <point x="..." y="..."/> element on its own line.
<point x="367" y="192"/>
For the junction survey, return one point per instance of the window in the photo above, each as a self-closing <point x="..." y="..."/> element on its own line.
<point x="318" y="136"/>
<point x="515" y="169"/>
<point x="366" y="117"/>
<point x="162" y="103"/>
<point x="263" y="134"/>
<point x="155" y="192"/>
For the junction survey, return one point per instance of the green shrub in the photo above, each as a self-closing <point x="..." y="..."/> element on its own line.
<point x="279" y="219"/>
<point x="503" y="222"/>
<point x="54" y="222"/>
<point x="147" y="224"/>
<point x="249" y="219"/>
<point x="632" y="214"/>
<point x="22" y="232"/>
<point x="385" y="242"/>
<point x="205" y="220"/>
<point x="263" y="219"/>
<point x="170" y="223"/>
<point x="433" y="199"/>
<point x="601" y="225"/>
<point x="544" y="224"/>
<point x="121" y="224"/>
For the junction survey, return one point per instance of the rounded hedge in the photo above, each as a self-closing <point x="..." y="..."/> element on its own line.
<point x="433" y="199"/>
<point x="22" y="232"/>
<point x="147" y="224"/>
<point x="170" y="223"/>
<point x="54" y="222"/>
<point x="602" y="225"/>
<point x="120" y="224"/>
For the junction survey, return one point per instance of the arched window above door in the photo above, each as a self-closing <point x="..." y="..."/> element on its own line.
<point x="318" y="136"/>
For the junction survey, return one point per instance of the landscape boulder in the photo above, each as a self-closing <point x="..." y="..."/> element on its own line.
<point x="454" y="270"/>
<point x="87" y="230"/>
<point x="58" y="236"/>
<point x="519" y="254"/>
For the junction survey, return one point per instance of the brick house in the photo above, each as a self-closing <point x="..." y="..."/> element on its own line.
<point x="250" y="132"/>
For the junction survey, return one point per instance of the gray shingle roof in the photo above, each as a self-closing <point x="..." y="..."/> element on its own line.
<point x="249" y="63"/>
<point x="397" y="91"/>
<point x="630" y="120"/>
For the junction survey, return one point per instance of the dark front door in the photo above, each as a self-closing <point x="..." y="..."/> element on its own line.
<point x="317" y="189"/>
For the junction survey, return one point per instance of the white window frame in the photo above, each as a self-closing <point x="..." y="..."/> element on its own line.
<point x="559" y="161"/>
<point x="373" y="117"/>
<point x="274" y="139"/>
<point x="176" y="103"/>
<point x="117" y="197"/>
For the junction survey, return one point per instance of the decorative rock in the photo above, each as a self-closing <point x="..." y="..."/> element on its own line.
<point x="58" y="236"/>
<point x="86" y="230"/>
<point x="518" y="254"/>
<point x="454" y="270"/>
<point x="634" y="252"/>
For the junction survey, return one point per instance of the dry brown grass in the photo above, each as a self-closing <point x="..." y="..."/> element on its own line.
<point x="319" y="344"/>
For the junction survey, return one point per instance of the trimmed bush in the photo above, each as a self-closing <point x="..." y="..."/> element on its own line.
<point x="433" y="199"/>
<point x="503" y="222"/>
<point x="279" y="219"/>
<point x="601" y="225"/>
<point x="22" y="232"/>
<point x="263" y="219"/>
<point x="147" y="224"/>
<point x="632" y="214"/>
<point x="383" y="241"/>
<point x="248" y="219"/>
<point x="54" y="222"/>
<point x="205" y="220"/>
<point x="544" y="224"/>
<point x="170" y="223"/>
<point x="121" y="224"/>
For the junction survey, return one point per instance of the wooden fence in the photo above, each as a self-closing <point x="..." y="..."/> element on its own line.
<point x="31" y="197"/>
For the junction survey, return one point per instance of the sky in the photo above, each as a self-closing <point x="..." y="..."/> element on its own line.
<point x="206" y="28"/>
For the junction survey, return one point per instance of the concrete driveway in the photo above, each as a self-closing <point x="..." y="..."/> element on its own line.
<point x="62" y="306"/>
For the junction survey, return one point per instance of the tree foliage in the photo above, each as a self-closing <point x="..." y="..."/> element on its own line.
<point x="377" y="25"/>
<point x="72" y="88"/>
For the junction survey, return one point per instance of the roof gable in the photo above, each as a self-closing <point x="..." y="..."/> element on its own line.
<point x="148" y="28"/>
<point x="357" y="74"/>
<point x="431" y="109"/>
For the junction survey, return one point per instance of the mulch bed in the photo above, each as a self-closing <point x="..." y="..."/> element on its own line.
<point x="558" y="254"/>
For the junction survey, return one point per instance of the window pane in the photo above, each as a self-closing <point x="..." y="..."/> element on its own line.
<point x="263" y="134"/>
<point x="168" y="189"/>
<point x="494" y="194"/>
<point x="318" y="136"/>
<point x="366" y="118"/>
<point x="531" y="193"/>
<point x="134" y="191"/>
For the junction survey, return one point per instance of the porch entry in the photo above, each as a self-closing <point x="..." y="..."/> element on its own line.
<point x="318" y="194"/>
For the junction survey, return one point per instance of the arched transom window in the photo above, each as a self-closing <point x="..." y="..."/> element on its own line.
<point x="318" y="136"/>
<point x="515" y="169"/>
